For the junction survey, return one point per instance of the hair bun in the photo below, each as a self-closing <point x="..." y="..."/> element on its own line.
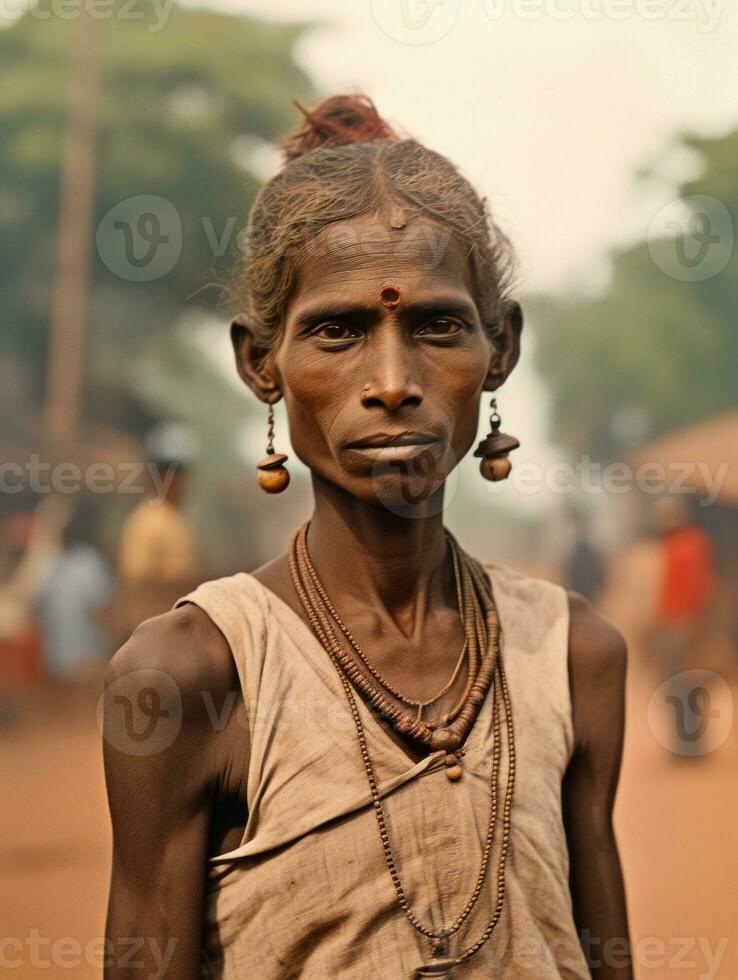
<point x="338" y="120"/>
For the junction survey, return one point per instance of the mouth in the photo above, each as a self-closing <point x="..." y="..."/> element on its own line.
<point x="385" y="448"/>
<point x="384" y="440"/>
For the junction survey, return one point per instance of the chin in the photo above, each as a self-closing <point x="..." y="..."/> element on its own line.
<point x="397" y="494"/>
<point x="410" y="486"/>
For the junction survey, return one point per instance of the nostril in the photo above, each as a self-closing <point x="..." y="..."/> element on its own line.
<point x="391" y="400"/>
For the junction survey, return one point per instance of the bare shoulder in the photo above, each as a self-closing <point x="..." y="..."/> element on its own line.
<point x="596" y="646"/>
<point x="185" y="644"/>
<point x="597" y="668"/>
<point x="170" y="735"/>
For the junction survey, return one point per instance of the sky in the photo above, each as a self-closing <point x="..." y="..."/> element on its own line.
<point x="550" y="118"/>
<point x="550" y="107"/>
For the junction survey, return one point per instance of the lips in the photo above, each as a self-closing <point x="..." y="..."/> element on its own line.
<point x="397" y="447"/>
<point x="381" y="440"/>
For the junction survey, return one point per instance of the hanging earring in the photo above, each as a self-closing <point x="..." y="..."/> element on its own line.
<point x="495" y="448"/>
<point x="272" y="475"/>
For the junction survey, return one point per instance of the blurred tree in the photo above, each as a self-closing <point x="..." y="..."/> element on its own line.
<point x="189" y="98"/>
<point x="190" y="104"/>
<point x="653" y="351"/>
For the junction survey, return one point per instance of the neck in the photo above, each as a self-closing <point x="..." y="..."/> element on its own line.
<point x="396" y="562"/>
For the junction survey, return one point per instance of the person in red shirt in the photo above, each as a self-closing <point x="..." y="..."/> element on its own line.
<point x="686" y="589"/>
<point x="688" y="578"/>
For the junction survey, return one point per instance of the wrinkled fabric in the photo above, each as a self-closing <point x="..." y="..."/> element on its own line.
<point x="307" y="893"/>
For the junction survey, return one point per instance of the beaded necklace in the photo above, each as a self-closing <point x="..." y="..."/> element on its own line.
<point x="420" y="705"/>
<point x="485" y="671"/>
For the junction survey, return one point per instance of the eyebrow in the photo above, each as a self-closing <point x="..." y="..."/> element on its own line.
<point x="454" y="305"/>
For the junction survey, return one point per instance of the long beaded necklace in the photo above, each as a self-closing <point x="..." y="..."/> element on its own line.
<point x="318" y="609"/>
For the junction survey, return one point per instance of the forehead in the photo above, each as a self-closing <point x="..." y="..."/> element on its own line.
<point x="356" y="258"/>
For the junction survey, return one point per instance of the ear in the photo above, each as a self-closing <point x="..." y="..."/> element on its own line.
<point x="252" y="362"/>
<point x="506" y="346"/>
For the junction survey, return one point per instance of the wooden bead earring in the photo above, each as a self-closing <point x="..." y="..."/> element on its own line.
<point x="271" y="472"/>
<point x="495" y="449"/>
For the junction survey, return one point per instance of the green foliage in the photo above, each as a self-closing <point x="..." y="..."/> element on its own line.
<point x="177" y="96"/>
<point x="652" y="352"/>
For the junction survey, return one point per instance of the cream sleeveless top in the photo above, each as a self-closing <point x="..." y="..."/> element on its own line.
<point x="307" y="893"/>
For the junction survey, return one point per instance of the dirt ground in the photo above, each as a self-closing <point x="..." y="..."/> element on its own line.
<point x="676" y="823"/>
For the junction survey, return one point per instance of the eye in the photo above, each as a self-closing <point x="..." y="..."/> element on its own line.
<point x="441" y="326"/>
<point x="336" y="331"/>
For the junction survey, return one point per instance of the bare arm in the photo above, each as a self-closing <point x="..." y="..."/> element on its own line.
<point x="597" y="665"/>
<point x="164" y="761"/>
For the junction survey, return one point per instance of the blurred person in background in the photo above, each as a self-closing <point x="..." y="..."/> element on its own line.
<point x="30" y="542"/>
<point x="584" y="567"/>
<point x="158" y="555"/>
<point x="20" y="645"/>
<point x="686" y="589"/>
<point x="73" y="602"/>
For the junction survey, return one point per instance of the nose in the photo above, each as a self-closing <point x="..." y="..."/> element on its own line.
<point x="393" y="379"/>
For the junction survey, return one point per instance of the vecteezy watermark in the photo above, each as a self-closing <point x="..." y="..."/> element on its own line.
<point x="418" y="22"/>
<point x="415" y="482"/>
<point x="140" y="239"/>
<point x="691" y="713"/>
<point x="415" y="21"/>
<point x="140" y="713"/>
<point x="657" y="953"/>
<point x="587" y="476"/>
<point x="146" y="706"/>
<point x="346" y="243"/>
<point x="68" y="953"/>
<point x="417" y="487"/>
<point x="692" y="239"/>
<point x="426" y="483"/>
<point x="704" y="13"/>
<point x="696" y="953"/>
<point x="155" y="12"/>
<point x="41" y="477"/>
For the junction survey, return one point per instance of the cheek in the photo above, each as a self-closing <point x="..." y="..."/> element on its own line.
<point x="461" y="375"/>
<point x="317" y="399"/>
<point x="459" y="394"/>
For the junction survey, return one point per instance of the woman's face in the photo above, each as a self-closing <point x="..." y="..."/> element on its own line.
<point x="383" y="359"/>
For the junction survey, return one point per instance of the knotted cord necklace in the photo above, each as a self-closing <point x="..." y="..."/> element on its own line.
<point x="487" y="664"/>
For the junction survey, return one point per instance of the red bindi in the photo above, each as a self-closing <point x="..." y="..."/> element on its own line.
<point x="390" y="297"/>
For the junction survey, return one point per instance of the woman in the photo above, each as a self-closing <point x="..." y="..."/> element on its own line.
<point x="333" y="766"/>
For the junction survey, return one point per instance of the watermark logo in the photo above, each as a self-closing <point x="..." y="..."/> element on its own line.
<point x="697" y="479"/>
<point x="706" y="14"/>
<point x="67" y="478"/>
<point x="691" y="713"/>
<point x="420" y="485"/>
<point x="38" y="952"/>
<point x="415" y="21"/>
<point x="692" y="239"/>
<point x="147" y="712"/>
<point x="154" y="13"/>
<point x="424" y="21"/>
<point x="140" y="238"/>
